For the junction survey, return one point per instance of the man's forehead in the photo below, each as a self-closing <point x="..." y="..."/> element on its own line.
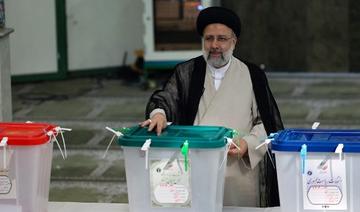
<point x="217" y="29"/>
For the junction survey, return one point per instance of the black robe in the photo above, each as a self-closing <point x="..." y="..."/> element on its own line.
<point x="180" y="99"/>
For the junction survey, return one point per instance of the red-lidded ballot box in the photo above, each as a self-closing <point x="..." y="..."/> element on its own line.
<point x="25" y="166"/>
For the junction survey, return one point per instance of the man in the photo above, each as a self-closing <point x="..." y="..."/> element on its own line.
<point x="219" y="89"/>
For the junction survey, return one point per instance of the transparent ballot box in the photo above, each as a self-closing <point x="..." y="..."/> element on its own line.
<point x="318" y="170"/>
<point x="180" y="170"/>
<point x="25" y="166"/>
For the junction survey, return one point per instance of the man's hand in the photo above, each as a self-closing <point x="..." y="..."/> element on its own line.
<point x="235" y="152"/>
<point x="157" y="122"/>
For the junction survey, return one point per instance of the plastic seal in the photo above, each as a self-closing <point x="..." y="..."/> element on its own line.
<point x="171" y="159"/>
<point x="231" y="141"/>
<point x="315" y="125"/>
<point x="145" y="147"/>
<point x="323" y="162"/>
<point x="228" y="143"/>
<point x="61" y="130"/>
<point x="303" y="155"/>
<point x="272" y="135"/>
<point x="51" y="135"/>
<point x="235" y="133"/>
<point x="3" y="143"/>
<point x="185" y="152"/>
<point x="266" y="144"/>
<point x="339" y="150"/>
<point x="116" y="133"/>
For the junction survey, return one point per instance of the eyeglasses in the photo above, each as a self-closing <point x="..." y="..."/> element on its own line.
<point x="220" y="38"/>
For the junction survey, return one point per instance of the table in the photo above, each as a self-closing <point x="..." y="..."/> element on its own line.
<point x="117" y="207"/>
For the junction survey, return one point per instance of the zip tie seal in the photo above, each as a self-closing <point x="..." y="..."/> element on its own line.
<point x="266" y="143"/>
<point x="315" y="125"/>
<point x="51" y="134"/>
<point x="303" y="155"/>
<point x="65" y="129"/>
<point x="323" y="162"/>
<point x="235" y="133"/>
<point x="185" y="152"/>
<point x="3" y="143"/>
<point x="339" y="150"/>
<point x="60" y="129"/>
<point x="272" y="135"/>
<point x="145" y="147"/>
<point x="231" y="141"/>
<point x="116" y="133"/>
<point x="228" y="143"/>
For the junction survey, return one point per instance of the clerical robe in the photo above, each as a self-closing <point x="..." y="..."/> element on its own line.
<point x="184" y="98"/>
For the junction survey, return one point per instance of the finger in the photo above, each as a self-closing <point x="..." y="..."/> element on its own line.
<point x="233" y="152"/>
<point x="234" y="148"/>
<point x="159" y="128"/>
<point x="152" y="124"/>
<point x="145" y="123"/>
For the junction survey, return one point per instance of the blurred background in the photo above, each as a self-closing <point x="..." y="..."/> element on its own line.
<point x="88" y="64"/>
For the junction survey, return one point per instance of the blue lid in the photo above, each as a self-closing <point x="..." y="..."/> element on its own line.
<point x="175" y="135"/>
<point x="316" y="140"/>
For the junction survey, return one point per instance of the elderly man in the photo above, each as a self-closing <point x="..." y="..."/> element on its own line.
<point x="219" y="89"/>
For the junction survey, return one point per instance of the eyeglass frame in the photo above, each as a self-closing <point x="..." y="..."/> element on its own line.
<point x="218" y="38"/>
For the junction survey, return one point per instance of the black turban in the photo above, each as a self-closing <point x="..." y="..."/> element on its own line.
<point x="221" y="15"/>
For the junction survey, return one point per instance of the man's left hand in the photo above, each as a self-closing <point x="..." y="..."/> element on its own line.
<point x="235" y="152"/>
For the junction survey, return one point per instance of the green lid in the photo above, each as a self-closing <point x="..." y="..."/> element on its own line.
<point x="175" y="135"/>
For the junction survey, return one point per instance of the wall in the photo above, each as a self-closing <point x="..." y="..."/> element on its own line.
<point x="33" y="44"/>
<point x="306" y="36"/>
<point x="310" y="35"/>
<point x="100" y="33"/>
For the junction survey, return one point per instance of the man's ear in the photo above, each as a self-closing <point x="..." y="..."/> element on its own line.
<point x="235" y="41"/>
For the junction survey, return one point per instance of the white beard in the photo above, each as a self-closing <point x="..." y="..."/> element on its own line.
<point x="218" y="62"/>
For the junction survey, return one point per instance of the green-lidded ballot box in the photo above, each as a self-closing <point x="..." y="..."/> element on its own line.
<point x="181" y="170"/>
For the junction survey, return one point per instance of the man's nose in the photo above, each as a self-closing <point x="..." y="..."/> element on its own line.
<point x="214" y="44"/>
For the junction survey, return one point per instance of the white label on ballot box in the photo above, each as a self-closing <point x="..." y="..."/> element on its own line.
<point x="7" y="186"/>
<point x="7" y="183"/>
<point x="324" y="183"/>
<point x="170" y="183"/>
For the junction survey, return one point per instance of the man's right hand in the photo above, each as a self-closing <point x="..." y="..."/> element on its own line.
<point x="157" y="122"/>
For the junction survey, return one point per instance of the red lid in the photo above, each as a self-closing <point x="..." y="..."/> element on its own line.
<point x="24" y="134"/>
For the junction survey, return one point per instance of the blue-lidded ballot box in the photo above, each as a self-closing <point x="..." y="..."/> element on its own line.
<point x="318" y="170"/>
<point x="182" y="170"/>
